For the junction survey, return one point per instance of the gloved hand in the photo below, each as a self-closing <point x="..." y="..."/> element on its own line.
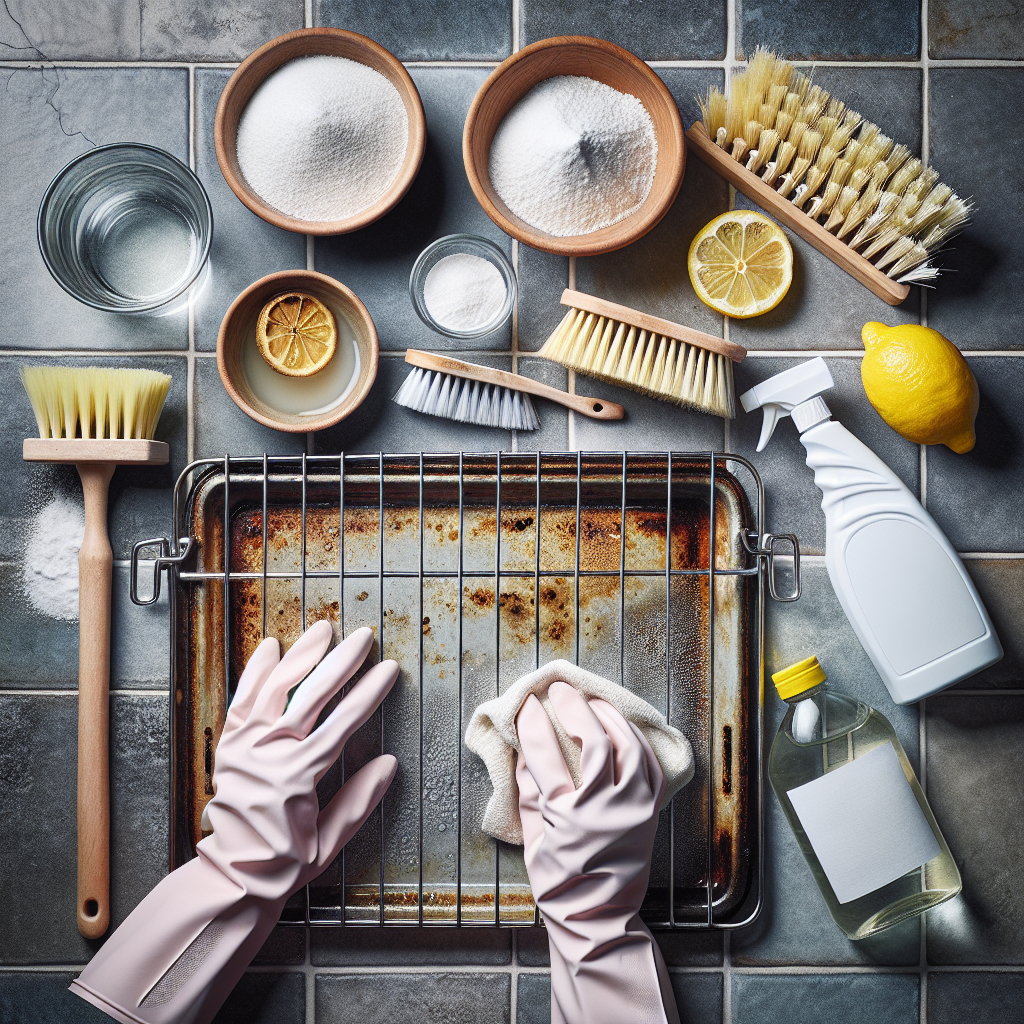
<point x="183" y="948"/>
<point x="588" y="856"/>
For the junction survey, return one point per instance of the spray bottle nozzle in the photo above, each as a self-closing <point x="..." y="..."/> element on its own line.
<point x="779" y="395"/>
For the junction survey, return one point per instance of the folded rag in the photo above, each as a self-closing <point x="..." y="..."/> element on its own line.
<point x="492" y="735"/>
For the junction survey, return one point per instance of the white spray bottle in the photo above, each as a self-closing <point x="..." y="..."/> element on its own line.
<point x="901" y="584"/>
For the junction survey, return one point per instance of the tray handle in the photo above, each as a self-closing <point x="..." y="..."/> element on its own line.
<point x="767" y="547"/>
<point x="165" y="560"/>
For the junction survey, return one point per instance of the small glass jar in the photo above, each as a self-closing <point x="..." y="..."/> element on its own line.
<point x="466" y="245"/>
<point x="126" y="229"/>
<point x="854" y="803"/>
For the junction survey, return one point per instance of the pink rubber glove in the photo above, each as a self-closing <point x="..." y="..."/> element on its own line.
<point x="181" y="951"/>
<point x="588" y="855"/>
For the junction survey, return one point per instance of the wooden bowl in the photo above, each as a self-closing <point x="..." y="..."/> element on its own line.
<point x="238" y="330"/>
<point x="305" y="42"/>
<point x="605" y="62"/>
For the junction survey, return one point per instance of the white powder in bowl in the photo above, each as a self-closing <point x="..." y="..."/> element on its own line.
<point x="574" y="156"/>
<point x="463" y="292"/>
<point x="322" y="138"/>
<point x="50" y="567"/>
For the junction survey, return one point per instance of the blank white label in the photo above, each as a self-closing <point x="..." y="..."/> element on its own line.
<point x="864" y="824"/>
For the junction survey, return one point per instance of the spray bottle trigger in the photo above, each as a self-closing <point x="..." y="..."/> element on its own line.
<point x="772" y="415"/>
<point x="779" y="395"/>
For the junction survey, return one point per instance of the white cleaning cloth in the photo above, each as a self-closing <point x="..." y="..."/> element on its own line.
<point x="492" y="735"/>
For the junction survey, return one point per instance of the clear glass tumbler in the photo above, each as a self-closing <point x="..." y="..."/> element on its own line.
<point x="126" y="229"/>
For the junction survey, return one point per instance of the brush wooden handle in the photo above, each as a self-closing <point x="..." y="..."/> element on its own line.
<point x="653" y="324"/>
<point x="95" y="565"/>
<point x="782" y="209"/>
<point x="595" y="408"/>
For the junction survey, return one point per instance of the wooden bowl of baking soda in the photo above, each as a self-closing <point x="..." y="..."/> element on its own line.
<point x="320" y="131"/>
<point x="574" y="146"/>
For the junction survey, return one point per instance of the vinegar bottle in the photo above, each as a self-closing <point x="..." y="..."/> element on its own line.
<point x="856" y="807"/>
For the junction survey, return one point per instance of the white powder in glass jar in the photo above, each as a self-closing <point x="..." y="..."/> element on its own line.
<point x="574" y="156"/>
<point x="463" y="292"/>
<point x="49" y="572"/>
<point x="322" y="138"/>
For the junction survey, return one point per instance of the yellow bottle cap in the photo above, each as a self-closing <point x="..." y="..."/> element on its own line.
<point x="799" y="677"/>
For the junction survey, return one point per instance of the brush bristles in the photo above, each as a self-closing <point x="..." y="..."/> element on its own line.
<point x="799" y="140"/>
<point x="467" y="401"/>
<point x="652" y="364"/>
<point x="95" y="403"/>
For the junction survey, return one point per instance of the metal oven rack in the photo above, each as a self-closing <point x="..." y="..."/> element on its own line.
<point x="649" y="568"/>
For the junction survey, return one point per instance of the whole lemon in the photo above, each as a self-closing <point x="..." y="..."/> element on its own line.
<point x="920" y="384"/>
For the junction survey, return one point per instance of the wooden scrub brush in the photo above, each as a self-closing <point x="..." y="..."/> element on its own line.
<point x="850" y="191"/>
<point x="470" y="393"/>
<point x="653" y="356"/>
<point x="97" y="419"/>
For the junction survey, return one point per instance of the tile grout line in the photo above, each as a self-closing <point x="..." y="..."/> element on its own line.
<point x="513" y="1011"/>
<point x="308" y="970"/>
<point x="571" y="380"/>
<point x="310" y="265"/>
<point x="190" y="361"/>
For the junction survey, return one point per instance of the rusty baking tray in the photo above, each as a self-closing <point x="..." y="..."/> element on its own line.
<point x="471" y="572"/>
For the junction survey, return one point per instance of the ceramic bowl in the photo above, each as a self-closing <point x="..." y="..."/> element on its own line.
<point x="306" y="42"/>
<point x="513" y="78"/>
<point x="298" y="404"/>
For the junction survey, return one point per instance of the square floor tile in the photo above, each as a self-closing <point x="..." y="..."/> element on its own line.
<point x="98" y="30"/>
<point x="48" y="116"/>
<point x="1000" y="584"/>
<point x="690" y="949"/>
<point x="976" y="304"/>
<point x="542" y="277"/>
<point x="975" y="497"/>
<point x="245" y="247"/>
<point x="824" y="999"/>
<point x="975" y="746"/>
<point x="286" y="945"/>
<point x="830" y="29"/>
<point x="658" y="30"/>
<point x="409" y="947"/>
<point x="42" y="997"/>
<point x="438" y="998"/>
<point x="974" y="998"/>
<point x="698" y="996"/>
<point x="533" y="999"/>
<point x="139" y="504"/>
<point x="435" y="30"/>
<point x="553" y="433"/>
<point x="793" y="501"/>
<point x="222" y="30"/>
<point x="381" y="425"/>
<point x="37" y="805"/>
<point x="376" y="261"/>
<point x="987" y="29"/>
<point x="265" y="997"/>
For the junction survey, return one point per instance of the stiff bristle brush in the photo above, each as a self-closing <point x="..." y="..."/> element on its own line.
<point x="97" y="419"/>
<point x="853" y="193"/>
<point x="653" y="356"/>
<point x="470" y="393"/>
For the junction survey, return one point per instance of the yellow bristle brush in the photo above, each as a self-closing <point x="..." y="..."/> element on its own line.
<point x="97" y="419"/>
<point x="859" y="199"/>
<point x="653" y="356"/>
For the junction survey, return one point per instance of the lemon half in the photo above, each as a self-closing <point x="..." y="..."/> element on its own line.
<point x="741" y="264"/>
<point x="296" y="334"/>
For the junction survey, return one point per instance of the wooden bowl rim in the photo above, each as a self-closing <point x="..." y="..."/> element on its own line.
<point x="608" y="239"/>
<point x="357" y="396"/>
<point x="228" y="160"/>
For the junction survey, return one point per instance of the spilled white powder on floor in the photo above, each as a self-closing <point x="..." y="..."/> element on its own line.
<point x="464" y="292"/>
<point x="50" y="565"/>
<point x="574" y="156"/>
<point x="322" y="138"/>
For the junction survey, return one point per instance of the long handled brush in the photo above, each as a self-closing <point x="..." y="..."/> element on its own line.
<point x="470" y="393"/>
<point x="864" y="201"/>
<point x="653" y="356"/>
<point x="97" y="419"/>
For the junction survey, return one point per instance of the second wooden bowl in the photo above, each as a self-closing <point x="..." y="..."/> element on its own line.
<point x="306" y="42"/>
<point x="605" y="62"/>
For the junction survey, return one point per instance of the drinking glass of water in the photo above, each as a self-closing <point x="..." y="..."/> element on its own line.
<point x="126" y="229"/>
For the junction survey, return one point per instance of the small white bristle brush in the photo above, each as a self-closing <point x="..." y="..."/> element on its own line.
<point x="864" y="201"/>
<point x="470" y="393"/>
<point x="653" y="356"/>
<point x="97" y="419"/>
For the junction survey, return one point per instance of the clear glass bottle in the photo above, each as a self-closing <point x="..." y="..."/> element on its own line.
<point x="856" y="807"/>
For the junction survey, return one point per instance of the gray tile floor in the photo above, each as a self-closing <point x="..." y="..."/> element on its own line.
<point x="945" y="77"/>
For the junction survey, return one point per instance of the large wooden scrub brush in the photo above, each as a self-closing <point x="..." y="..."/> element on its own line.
<point x="853" y="193"/>
<point x="98" y="419"/>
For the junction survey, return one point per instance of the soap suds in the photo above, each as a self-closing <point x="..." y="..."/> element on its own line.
<point x="50" y="565"/>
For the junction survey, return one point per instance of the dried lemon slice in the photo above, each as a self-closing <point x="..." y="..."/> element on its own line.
<point x="296" y="334"/>
<point x="741" y="264"/>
